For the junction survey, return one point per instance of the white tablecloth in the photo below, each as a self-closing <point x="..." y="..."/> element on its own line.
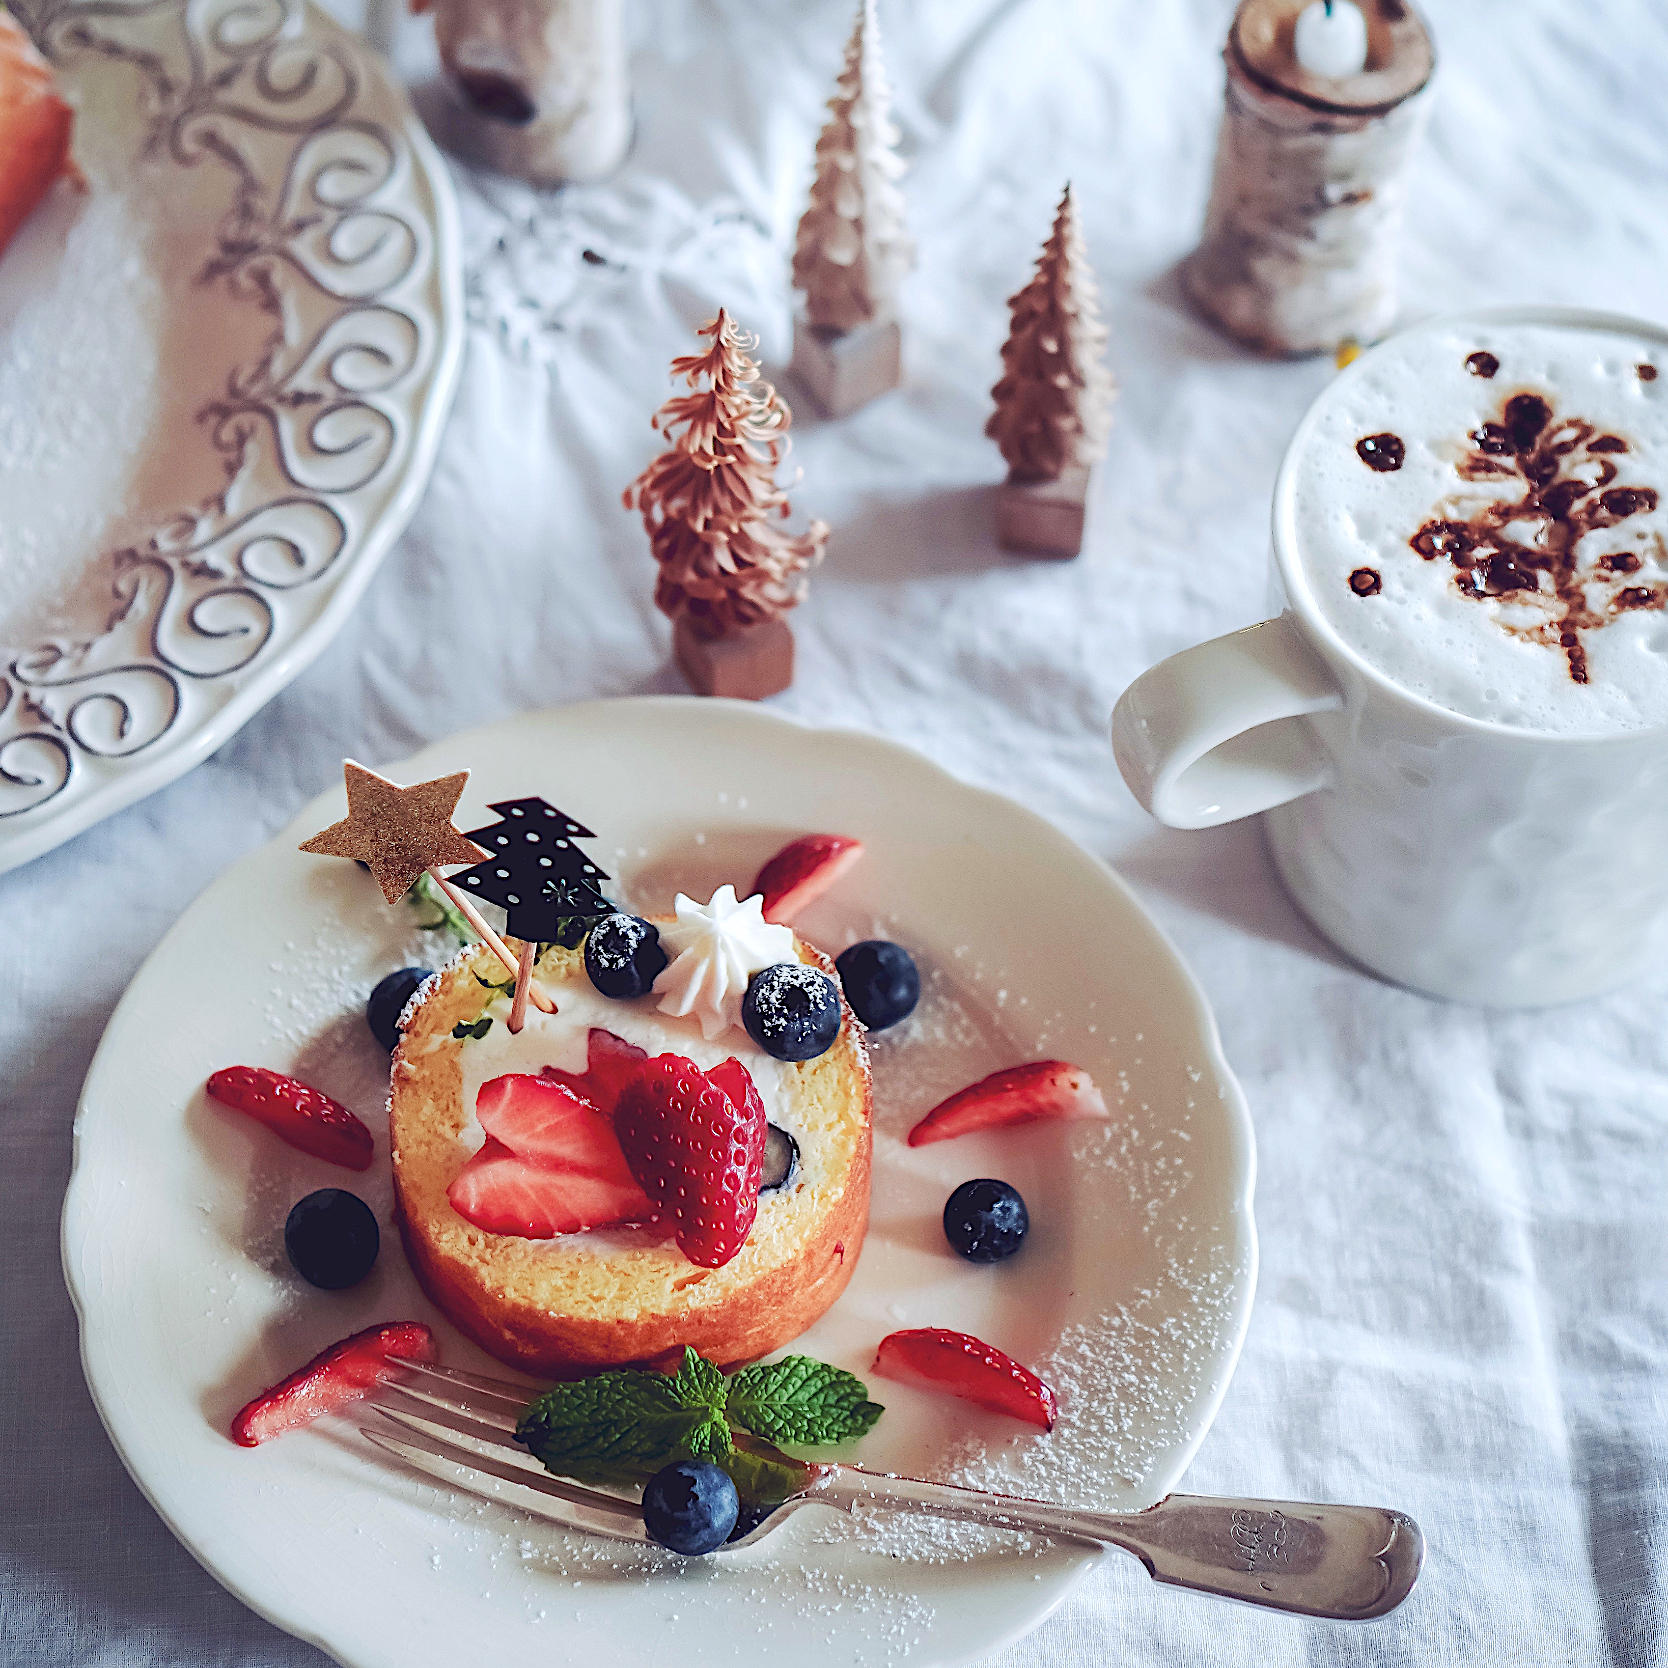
<point x="1462" y="1310"/>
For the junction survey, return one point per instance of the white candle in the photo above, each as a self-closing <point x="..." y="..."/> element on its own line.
<point x="1331" y="38"/>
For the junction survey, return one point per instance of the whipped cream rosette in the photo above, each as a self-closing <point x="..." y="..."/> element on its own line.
<point x="715" y="948"/>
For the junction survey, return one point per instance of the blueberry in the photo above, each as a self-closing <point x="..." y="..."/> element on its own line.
<point x="880" y="981"/>
<point x="387" y="1003"/>
<point x="691" y="1507"/>
<point x="623" y="955"/>
<point x="792" y="1011"/>
<point x="781" y="1160"/>
<point x="332" y="1238"/>
<point x="985" y="1220"/>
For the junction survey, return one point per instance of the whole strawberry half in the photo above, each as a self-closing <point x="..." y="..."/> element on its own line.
<point x="611" y="1063"/>
<point x="339" y="1375"/>
<point x="1018" y="1095"/>
<point x="962" y="1365"/>
<point x="737" y="1082"/>
<point x="551" y="1164"/>
<point x="297" y="1113"/>
<point x="695" y="1142"/>
<point x="802" y="871"/>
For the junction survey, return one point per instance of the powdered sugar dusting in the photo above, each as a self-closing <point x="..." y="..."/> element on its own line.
<point x="1126" y="1384"/>
<point x="881" y="1623"/>
<point x="1125" y="1315"/>
<point x="949" y="1041"/>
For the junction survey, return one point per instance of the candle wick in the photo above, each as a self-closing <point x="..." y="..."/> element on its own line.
<point x="1328" y="7"/>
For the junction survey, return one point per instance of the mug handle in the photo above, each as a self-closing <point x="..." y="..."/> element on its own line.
<point x="1200" y="738"/>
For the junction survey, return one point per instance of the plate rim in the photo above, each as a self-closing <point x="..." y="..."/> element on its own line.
<point x="1237" y="1109"/>
<point x="149" y="772"/>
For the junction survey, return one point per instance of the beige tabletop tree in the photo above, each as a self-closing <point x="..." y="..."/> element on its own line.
<point x="729" y="571"/>
<point x="1054" y="402"/>
<point x="852" y="249"/>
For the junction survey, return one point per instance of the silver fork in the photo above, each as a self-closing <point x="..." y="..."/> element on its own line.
<point x="1344" y="1563"/>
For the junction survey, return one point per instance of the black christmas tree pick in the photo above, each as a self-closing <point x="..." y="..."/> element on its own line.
<point x="545" y="884"/>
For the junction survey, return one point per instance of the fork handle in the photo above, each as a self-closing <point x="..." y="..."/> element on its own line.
<point x="1344" y="1563"/>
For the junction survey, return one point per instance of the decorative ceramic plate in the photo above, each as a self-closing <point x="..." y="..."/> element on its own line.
<point x="1131" y="1294"/>
<point x="224" y="367"/>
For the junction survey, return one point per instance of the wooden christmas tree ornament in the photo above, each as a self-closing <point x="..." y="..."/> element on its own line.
<point x="1054" y="402"/>
<point x="1322" y="110"/>
<point x="852" y="249"/>
<point x="728" y="571"/>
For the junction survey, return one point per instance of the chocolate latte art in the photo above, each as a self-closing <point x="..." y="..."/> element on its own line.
<point x="1564" y="472"/>
<point x="1482" y="513"/>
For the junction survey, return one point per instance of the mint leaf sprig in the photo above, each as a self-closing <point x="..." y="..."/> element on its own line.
<point x="447" y="915"/>
<point x="619" y="1428"/>
<point x="799" y="1402"/>
<point x="466" y="1029"/>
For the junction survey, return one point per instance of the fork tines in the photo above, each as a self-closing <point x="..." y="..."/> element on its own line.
<point x="478" y="1385"/>
<point x="473" y="1441"/>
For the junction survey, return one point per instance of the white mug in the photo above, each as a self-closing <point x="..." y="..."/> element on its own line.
<point x="1468" y="859"/>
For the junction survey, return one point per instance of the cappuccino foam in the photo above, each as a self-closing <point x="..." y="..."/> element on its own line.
<point x="1481" y="512"/>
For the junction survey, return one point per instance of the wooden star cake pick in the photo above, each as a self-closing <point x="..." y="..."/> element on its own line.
<point x="401" y="833"/>
<point x="397" y="833"/>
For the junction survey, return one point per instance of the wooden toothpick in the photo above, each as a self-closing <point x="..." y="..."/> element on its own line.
<point x="523" y="984"/>
<point x="466" y="908"/>
<point x="400" y="834"/>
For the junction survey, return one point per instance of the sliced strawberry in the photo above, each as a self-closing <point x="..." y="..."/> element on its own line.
<point x="504" y="1194"/>
<point x="551" y="1164"/>
<point x="611" y="1063"/>
<point x="961" y="1365"/>
<point x="802" y="871"/>
<point x="35" y="128"/>
<point x="1018" y="1095"/>
<point x="737" y="1082"/>
<point x="697" y="1152"/>
<point x="342" y="1374"/>
<point x="551" y="1125"/>
<point x="297" y="1113"/>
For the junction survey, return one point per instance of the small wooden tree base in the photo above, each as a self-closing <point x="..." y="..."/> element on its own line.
<point x="1043" y="518"/>
<point x="845" y="369"/>
<point x="747" y="667"/>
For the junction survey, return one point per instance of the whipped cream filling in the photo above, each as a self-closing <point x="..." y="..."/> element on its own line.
<point x="714" y="949"/>
<point x="562" y="1040"/>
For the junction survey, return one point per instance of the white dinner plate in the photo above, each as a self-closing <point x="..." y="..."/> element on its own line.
<point x="224" y="368"/>
<point x="1131" y="1295"/>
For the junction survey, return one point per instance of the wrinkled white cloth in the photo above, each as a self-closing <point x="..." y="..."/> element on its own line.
<point x="1462" y="1309"/>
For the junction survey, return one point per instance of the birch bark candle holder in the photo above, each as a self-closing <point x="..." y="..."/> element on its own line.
<point x="538" y="88"/>
<point x="1299" y="248"/>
